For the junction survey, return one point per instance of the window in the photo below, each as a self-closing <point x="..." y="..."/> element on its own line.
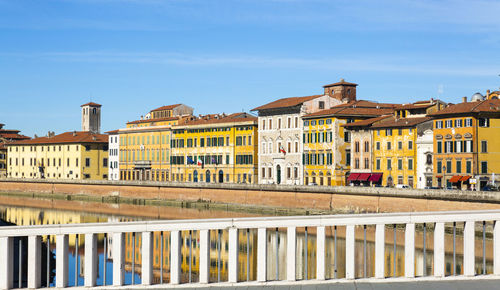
<point x="448" y="166"/>
<point x="458" y="146"/>
<point x="377" y="145"/>
<point x="400" y="132"/>
<point x="356" y="146"/>
<point x="321" y="105"/>
<point x="87" y="162"/>
<point x="484" y="146"/>
<point x="296" y="122"/>
<point x="295" y="172"/>
<point x="388" y="145"/>
<point x="348" y="158"/>
<point x="410" y="164"/>
<point x="289" y="121"/>
<point x="400" y="164"/>
<point x="468" y="166"/>
<point x="367" y="146"/>
<point x="105" y="162"/>
<point x="439" y="124"/>
<point x="279" y="123"/>
<point x="263" y="124"/>
<point x="270" y="124"/>
<point x="356" y="163"/>
<point x="458" y="123"/>
<point x="468" y="122"/>
<point x="484" y="122"/>
<point x="484" y="167"/>
<point x="439" y="167"/>
<point x="263" y="172"/>
<point x="428" y="158"/>
<point x="367" y="163"/>
<point x="400" y="145"/>
<point x="87" y="147"/>
<point x="389" y="164"/>
<point x="306" y="123"/>
<point x="468" y="146"/>
<point x="388" y="132"/>
<point x="346" y="137"/>
<point x="459" y="166"/>
<point x="449" y="123"/>
<point x="378" y="164"/>
<point x="410" y="145"/>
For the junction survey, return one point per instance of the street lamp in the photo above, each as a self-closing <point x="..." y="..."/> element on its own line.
<point x="444" y="175"/>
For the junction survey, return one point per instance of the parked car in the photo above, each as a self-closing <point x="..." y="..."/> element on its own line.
<point x="489" y="187"/>
<point x="402" y="186"/>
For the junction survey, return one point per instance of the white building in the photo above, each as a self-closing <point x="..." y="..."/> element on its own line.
<point x="281" y="129"/>
<point x="114" y="156"/>
<point x="424" y="158"/>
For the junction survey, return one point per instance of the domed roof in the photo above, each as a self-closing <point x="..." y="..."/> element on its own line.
<point x="477" y="97"/>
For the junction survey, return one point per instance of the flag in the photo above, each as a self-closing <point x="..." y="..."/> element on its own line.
<point x="200" y="163"/>
<point x="282" y="150"/>
<point x="190" y="161"/>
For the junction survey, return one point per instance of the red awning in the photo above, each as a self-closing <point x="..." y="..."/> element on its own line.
<point x="363" y="177"/>
<point x="465" y="178"/>
<point x="455" y="179"/>
<point x="375" y="177"/>
<point x="439" y="176"/>
<point x="353" y="176"/>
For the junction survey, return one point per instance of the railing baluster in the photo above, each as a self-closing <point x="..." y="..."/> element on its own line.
<point x="34" y="261"/>
<point x="233" y="255"/>
<point x="161" y="256"/>
<point x="320" y="253"/>
<point x="350" y="245"/>
<point x="364" y="251"/>
<point x="190" y="254"/>
<point x="204" y="255"/>
<point x="424" y="250"/>
<point x="291" y="247"/>
<point x="48" y="261"/>
<point x="90" y="260"/>
<point x="484" y="247"/>
<point x="61" y="261"/>
<point x="410" y="250"/>
<point x="261" y="255"/>
<point x="175" y="257"/>
<point x="469" y="259"/>
<point x="496" y="248"/>
<point x="335" y="269"/>
<point x="219" y="260"/>
<point x="147" y="258"/>
<point x="118" y="258"/>
<point x="379" y="251"/>
<point x="439" y="250"/>
<point x="454" y="248"/>
<point x="306" y="255"/>
<point x="276" y="255"/>
<point x="6" y="262"/>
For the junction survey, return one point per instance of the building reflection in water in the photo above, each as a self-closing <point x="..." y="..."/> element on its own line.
<point x="219" y="246"/>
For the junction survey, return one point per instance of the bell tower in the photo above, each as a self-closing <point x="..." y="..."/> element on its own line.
<point x="91" y="117"/>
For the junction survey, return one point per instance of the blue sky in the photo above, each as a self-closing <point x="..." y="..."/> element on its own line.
<point x="227" y="56"/>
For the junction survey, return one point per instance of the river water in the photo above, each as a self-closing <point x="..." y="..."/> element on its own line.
<point x="33" y="212"/>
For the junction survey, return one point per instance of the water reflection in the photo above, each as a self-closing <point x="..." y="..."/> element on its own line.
<point x="247" y="259"/>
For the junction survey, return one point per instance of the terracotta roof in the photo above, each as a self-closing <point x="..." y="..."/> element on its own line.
<point x="349" y="111"/>
<point x="341" y="82"/>
<point x="112" y="132"/>
<point x="367" y="122"/>
<point x="402" y="122"/>
<point x="414" y="106"/>
<point x="67" y="137"/>
<point x="286" y="102"/>
<point x="153" y="120"/>
<point x="13" y="136"/>
<point x="367" y="104"/>
<point x="169" y="107"/>
<point x="212" y="119"/>
<point x="486" y="106"/>
<point x="92" y="104"/>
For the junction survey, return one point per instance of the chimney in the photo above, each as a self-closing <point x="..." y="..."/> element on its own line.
<point x="487" y="93"/>
<point x="464" y="99"/>
<point x="94" y="138"/>
<point x="74" y="133"/>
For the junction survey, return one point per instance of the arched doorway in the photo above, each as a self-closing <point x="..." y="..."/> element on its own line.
<point x="389" y="181"/>
<point x="207" y="176"/>
<point x="195" y="176"/>
<point x="221" y="176"/>
<point x="278" y="174"/>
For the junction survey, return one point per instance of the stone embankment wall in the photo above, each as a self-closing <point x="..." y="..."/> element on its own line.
<point x="344" y="199"/>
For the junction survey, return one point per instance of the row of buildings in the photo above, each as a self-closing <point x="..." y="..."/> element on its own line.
<point x="329" y="139"/>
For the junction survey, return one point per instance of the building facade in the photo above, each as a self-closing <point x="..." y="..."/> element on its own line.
<point x="281" y="132"/>
<point x="7" y="136"/>
<point x="114" y="155"/>
<point x="425" y="150"/>
<point x="91" y="117"/>
<point x="466" y="145"/>
<point x="327" y="144"/>
<point x="215" y="149"/>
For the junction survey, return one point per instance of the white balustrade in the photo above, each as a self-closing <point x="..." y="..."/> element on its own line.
<point x="234" y="228"/>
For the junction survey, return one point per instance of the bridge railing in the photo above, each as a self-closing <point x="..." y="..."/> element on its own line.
<point x="474" y="227"/>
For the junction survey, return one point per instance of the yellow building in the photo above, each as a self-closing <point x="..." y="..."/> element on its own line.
<point x="466" y="143"/>
<point x="215" y="148"/>
<point x="70" y="155"/>
<point x="7" y="136"/>
<point x="145" y="144"/>
<point x="327" y="148"/>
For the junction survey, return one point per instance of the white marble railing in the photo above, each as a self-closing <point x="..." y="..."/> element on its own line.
<point x="472" y="221"/>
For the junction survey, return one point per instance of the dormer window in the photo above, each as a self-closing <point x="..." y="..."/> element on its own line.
<point x="321" y="105"/>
